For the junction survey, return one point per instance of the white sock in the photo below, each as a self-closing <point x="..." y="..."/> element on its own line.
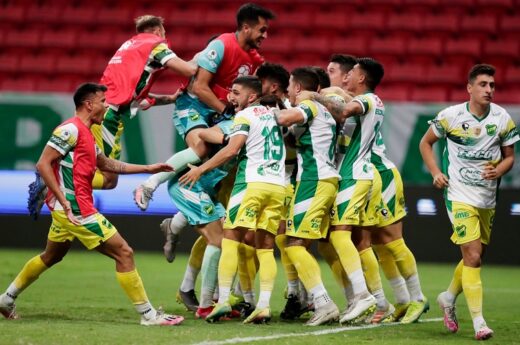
<point x="349" y="293"/>
<point x="146" y="310"/>
<point x="190" y="276"/>
<point x="12" y="292"/>
<point x="357" y="280"/>
<point x="478" y="322"/>
<point x="223" y="294"/>
<point x="292" y="287"/>
<point x="321" y="297"/>
<point x="414" y="287"/>
<point x="249" y="297"/>
<point x="179" y="161"/>
<point x="216" y="294"/>
<point x="381" y="302"/>
<point x="178" y="223"/>
<point x="237" y="289"/>
<point x="401" y="294"/>
<point x="263" y="300"/>
<point x="451" y="298"/>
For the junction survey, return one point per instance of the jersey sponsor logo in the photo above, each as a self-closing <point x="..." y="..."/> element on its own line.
<point x="194" y="116"/>
<point x="472" y="177"/>
<point x="491" y="129"/>
<point x="250" y="212"/>
<point x="475" y="154"/>
<point x="243" y="71"/>
<point x="315" y="223"/>
<point x="461" y="214"/>
<point x="460" y="230"/>
<point x="465" y="126"/>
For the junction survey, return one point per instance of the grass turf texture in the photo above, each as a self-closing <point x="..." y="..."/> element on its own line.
<point x="80" y="302"/>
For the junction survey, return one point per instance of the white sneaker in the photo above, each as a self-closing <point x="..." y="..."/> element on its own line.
<point x="360" y="310"/>
<point x="162" y="319"/>
<point x="7" y="309"/>
<point x="142" y="196"/>
<point x="324" y="314"/>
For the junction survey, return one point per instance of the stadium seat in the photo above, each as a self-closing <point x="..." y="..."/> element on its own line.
<point x="509" y="48"/>
<point x="512" y="74"/>
<point x="190" y="17"/>
<point x="406" y="21"/>
<point x="12" y="13"/>
<point x="114" y="16"/>
<point x="445" y="74"/>
<point x="278" y="44"/>
<point x="468" y="47"/>
<point x="29" y="38"/>
<point x="484" y="22"/>
<point x="59" y="84"/>
<point x="353" y="45"/>
<point x="9" y="63"/>
<point x="510" y="23"/>
<point x="79" y="15"/>
<point x="219" y="17"/>
<point x="312" y="44"/>
<point x="431" y="46"/>
<point x="332" y="20"/>
<point x="59" y="39"/>
<point x="44" y="13"/>
<point x="18" y="84"/>
<point x="95" y="40"/>
<point x="458" y="95"/>
<point x="371" y="20"/>
<point x="441" y="22"/>
<point x="393" y="92"/>
<point x="510" y="95"/>
<point x="429" y="94"/>
<point x="74" y="64"/>
<point x="392" y="45"/>
<point x="405" y="73"/>
<point x="45" y="63"/>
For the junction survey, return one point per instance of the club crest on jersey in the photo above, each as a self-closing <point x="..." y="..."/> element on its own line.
<point x="212" y="54"/>
<point x="491" y="129"/>
<point x="243" y="71"/>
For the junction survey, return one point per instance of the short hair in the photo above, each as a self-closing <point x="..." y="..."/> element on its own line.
<point x="251" y="82"/>
<point x="272" y="101"/>
<point x="307" y="77"/>
<point x="373" y="70"/>
<point x="249" y="13"/>
<point x="85" y="91"/>
<point x="479" y="69"/>
<point x="323" y="76"/>
<point x="274" y="72"/>
<point x="147" y="22"/>
<point x="345" y="62"/>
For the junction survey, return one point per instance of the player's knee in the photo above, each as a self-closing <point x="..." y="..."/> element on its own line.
<point x="126" y="252"/>
<point x="472" y="259"/>
<point x="51" y="259"/>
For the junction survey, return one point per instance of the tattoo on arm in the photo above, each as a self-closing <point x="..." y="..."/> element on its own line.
<point x="111" y="165"/>
<point x="335" y="107"/>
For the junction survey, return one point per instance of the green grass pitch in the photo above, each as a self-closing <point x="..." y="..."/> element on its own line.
<point x="80" y="302"/>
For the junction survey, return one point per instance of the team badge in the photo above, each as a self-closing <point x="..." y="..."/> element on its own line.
<point x="491" y="129"/>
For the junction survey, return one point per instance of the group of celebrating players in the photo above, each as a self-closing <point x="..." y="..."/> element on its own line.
<point x="286" y="159"/>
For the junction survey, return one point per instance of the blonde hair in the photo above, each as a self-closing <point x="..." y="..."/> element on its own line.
<point x="147" y="22"/>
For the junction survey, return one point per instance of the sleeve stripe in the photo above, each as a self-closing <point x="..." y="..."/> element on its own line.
<point x="57" y="148"/>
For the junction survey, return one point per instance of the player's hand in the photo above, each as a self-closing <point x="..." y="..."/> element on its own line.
<point x="173" y="98"/>
<point x="490" y="172"/>
<point x="68" y="211"/>
<point x="304" y="95"/>
<point x="191" y="177"/>
<point x="440" y="181"/>
<point x="159" y="167"/>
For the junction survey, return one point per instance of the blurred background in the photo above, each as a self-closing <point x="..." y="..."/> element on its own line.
<point x="426" y="46"/>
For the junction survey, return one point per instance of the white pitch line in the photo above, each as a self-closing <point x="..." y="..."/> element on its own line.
<point x="316" y="333"/>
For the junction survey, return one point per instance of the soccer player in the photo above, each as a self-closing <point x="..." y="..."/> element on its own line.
<point x="355" y="147"/>
<point x="480" y="138"/>
<point x="316" y="186"/>
<point x="67" y="165"/>
<point x="225" y="58"/>
<point x="128" y="76"/>
<point x="258" y="194"/>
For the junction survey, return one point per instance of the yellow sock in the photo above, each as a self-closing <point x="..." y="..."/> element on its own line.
<point x="228" y="263"/>
<point x="246" y="267"/>
<point x="29" y="273"/>
<point x="386" y="261"/>
<point x="267" y="274"/>
<point x="472" y="287"/>
<point x="197" y="253"/>
<point x="133" y="286"/>
<point x="403" y="257"/>
<point x="455" y="287"/>
<point x="98" y="180"/>
<point x="347" y="252"/>
<point x="371" y="270"/>
<point x="306" y="265"/>
<point x="288" y="267"/>
<point x="327" y="251"/>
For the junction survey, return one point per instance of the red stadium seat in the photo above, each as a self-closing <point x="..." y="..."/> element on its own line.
<point x="12" y="13"/>
<point x="510" y="95"/>
<point x="59" y="84"/>
<point x="38" y="64"/>
<point x="44" y="14"/>
<point x="393" y="92"/>
<point x="331" y="20"/>
<point x="510" y="23"/>
<point x="191" y="17"/>
<point x="483" y="22"/>
<point x="458" y="95"/>
<point x="278" y="44"/>
<point x="431" y="46"/>
<point x="9" y="62"/>
<point x="29" y="38"/>
<point x="512" y="74"/>
<point x="446" y="74"/>
<point x="468" y="47"/>
<point x="429" y="94"/>
<point x="312" y="44"/>
<point x="352" y="45"/>
<point x="220" y="17"/>
<point x="393" y="45"/>
<point x="405" y="73"/>
<point x="59" y="39"/>
<point x="79" y="15"/>
<point x="74" y="64"/>
<point x="368" y="20"/>
<point x="441" y="22"/>
<point x="18" y="84"/>
<point x="114" y="16"/>
<point x="295" y="20"/>
<point x="405" y="21"/>
<point x="509" y="48"/>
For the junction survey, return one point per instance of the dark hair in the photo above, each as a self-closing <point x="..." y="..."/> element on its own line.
<point x="249" y="13"/>
<point x="345" y="62"/>
<point x="274" y="72"/>
<point x="272" y="101"/>
<point x="323" y="76"/>
<point x="147" y="22"/>
<point x="479" y="69"/>
<point x="251" y="82"/>
<point x="307" y="77"/>
<point x="373" y="70"/>
<point x="85" y="90"/>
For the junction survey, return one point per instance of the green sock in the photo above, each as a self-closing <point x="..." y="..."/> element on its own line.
<point x="209" y="275"/>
